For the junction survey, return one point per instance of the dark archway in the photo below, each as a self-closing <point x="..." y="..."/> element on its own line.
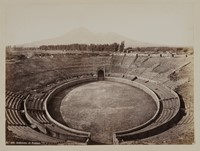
<point x="100" y="75"/>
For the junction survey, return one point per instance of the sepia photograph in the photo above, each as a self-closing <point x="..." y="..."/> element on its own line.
<point x="99" y="73"/>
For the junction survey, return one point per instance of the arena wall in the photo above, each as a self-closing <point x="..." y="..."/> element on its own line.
<point x="33" y="121"/>
<point x="145" y="89"/>
<point x="59" y="89"/>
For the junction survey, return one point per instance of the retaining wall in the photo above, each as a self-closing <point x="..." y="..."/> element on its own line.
<point x="145" y="89"/>
<point x="54" y="92"/>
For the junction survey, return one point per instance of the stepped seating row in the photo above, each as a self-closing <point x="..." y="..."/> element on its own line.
<point x="29" y="134"/>
<point x="127" y="60"/>
<point x="67" y="61"/>
<point x="57" y="129"/>
<point x="72" y="72"/>
<point x="9" y="93"/>
<point x="79" y="73"/>
<point x="35" y="104"/>
<point x="164" y="94"/>
<point x="187" y="119"/>
<point x="151" y="62"/>
<point x="133" y="65"/>
<point x="138" y="62"/>
<point x="165" y="116"/>
<point x="66" y="135"/>
<point x="118" y="69"/>
<point x="170" y="105"/>
<point x="13" y="101"/>
<point x="13" y="117"/>
<point x="16" y="124"/>
<point x="118" y="75"/>
<point x="175" y="84"/>
<point x="13" y="111"/>
<point x="158" y="125"/>
<point x="170" y="84"/>
<point x="42" y="121"/>
<point x="53" y="68"/>
<point x="161" y="91"/>
<point x="133" y="61"/>
<point x="148" y="74"/>
<point x="116" y="60"/>
<point x="101" y="61"/>
<point x="169" y="63"/>
<point x="39" y="116"/>
<point x="164" y="66"/>
<point x="188" y="105"/>
<point x="162" y="77"/>
<point x="136" y="71"/>
<point x="156" y="68"/>
<point x="68" y="78"/>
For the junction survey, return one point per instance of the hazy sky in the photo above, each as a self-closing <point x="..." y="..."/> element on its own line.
<point x="158" y="23"/>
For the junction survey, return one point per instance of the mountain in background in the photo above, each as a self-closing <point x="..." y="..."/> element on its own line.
<point x="84" y="36"/>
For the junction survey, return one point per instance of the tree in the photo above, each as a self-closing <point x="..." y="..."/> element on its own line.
<point x="121" y="49"/>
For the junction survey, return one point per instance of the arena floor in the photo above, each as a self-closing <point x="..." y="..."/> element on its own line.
<point x="102" y="107"/>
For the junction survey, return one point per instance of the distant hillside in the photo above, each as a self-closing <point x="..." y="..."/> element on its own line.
<point x="84" y="36"/>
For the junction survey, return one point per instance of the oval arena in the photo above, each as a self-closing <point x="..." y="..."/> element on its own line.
<point x="101" y="107"/>
<point x="103" y="99"/>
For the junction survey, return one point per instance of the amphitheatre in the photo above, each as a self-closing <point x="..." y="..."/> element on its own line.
<point x="93" y="98"/>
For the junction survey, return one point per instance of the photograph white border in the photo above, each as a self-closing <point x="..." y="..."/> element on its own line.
<point x="193" y="147"/>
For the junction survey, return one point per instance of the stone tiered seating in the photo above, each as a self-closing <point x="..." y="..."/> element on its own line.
<point x="148" y="74"/>
<point x="170" y="84"/>
<point x="170" y="105"/>
<point x="175" y="84"/>
<point x="118" y="75"/>
<point x="74" y="71"/>
<point x="157" y="126"/>
<point x="161" y="91"/>
<point x="116" y="60"/>
<point x="156" y="68"/>
<point x="67" y="135"/>
<point x="136" y="71"/>
<point x="135" y="67"/>
<point x="29" y="134"/>
<point x="38" y="116"/>
<point x="16" y="123"/>
<point x="170" y="68"/>
<point x="13" y="112"/>
<point x="127" y="60"/>
<point x="166" y="115"/>
<point x="189" y="113"/>
<point x="14" y="117"/>
<point x="161" y="77"/>
<point x="13" y="101"/>
<point x="120" y="64"/>
<point x="35" y="104"/>
<point x="168" y="63"/>
<point x="35" y="109"/>
<point x="151" y="62"/>
<point x="140" y="60"/>
<point x="53" y="68"/>
<point x="119" y="69"/>
<point x="188" y="118"/>
<point x="159" y="72"/>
